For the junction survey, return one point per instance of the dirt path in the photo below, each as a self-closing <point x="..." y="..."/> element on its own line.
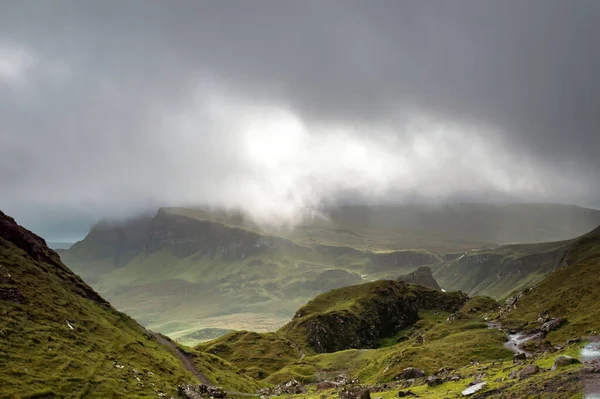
<point x="182" y="356"/>
<point x="188" y="363"/>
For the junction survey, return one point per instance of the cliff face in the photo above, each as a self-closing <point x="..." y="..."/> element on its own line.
<point x="422" y="276"/>
<point x="359" y="316"/>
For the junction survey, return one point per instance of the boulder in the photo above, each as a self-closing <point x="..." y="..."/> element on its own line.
<point x="412" y="372"/>
<point x="473" y="389"/>
<point x="189" y="391"/>
<point x="529" y="370"/>
<point x="563" y="360"/>
<point x="552" y="325"/>
<point x="519" y="356"/>
<point x="216" y="392"/>
<point x="406" y="394"/>
<point x="355" y="392"/>
<point x="434" y="380"/>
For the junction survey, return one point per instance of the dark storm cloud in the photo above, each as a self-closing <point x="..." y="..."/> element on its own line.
<point x="113" y="107"/>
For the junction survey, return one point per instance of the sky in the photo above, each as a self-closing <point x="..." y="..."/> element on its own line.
<point x="112" y="108"/>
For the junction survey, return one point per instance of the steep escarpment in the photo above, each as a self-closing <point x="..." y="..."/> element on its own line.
<point x="499" y="271"/>
<point x="59" y="338"/>
<point x="359" y="316"/>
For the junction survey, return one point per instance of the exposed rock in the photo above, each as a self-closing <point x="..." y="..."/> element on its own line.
<point x="291" y="387"/>
<point x="422" y="276"/>
<point x="412" y="372"/>
<point x="200" y="391"/>
<point x="383" y="308"/>
<point x="355" y="392"/>
<point x="406" y="394"/>
<point x="338" y="382"/>
<point x="474" y="388"/>
<point x="552" y="325"/>
<point x="573" y="341"/>
<point x="434" y="380"/>
<point x="324" y="385"/>
<point x="517" y="357"/>
<point x="11" y="294"/>
<point x="529" y="370"/>
<point x="563" y="360"/>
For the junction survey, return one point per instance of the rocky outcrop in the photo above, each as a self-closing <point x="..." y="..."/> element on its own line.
<point x="200" y="391"/>
<point x="562" y="361"/>
<point x="291" y="387"/>
<point x="422" y="276"/>
<point x="411" y="373"/>
<point x="358" y="316"/>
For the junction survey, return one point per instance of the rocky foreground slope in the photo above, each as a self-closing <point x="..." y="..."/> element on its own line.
<point x="59" y="338"/>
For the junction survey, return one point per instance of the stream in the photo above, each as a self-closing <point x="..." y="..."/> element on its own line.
<point x="589" y="354"/>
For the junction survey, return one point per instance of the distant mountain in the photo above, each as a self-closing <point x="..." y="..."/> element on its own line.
<point x="159" y="268"/>
<point x="59" y="338"/>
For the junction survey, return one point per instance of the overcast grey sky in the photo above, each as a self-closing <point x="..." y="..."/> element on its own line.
<point x="110" y="108"/>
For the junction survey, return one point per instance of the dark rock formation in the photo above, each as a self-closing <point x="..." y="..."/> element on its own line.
<point x="371" y="311"/>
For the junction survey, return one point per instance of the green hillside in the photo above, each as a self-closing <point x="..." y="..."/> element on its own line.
<point x="59" y="338"/>
<point x="158" y="268"/>
<point x="571" y="292"/>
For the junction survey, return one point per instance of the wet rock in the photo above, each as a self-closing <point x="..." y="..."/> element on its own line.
<point x="552" y="325"/>
<point x="473" y="389"/>
<point x="434" y="380"/>
<point x="529" y="370"/>
<point x="355" y="392"/>
<point x="573" y="341"/>
<point x="406" y="394"/>
<point x="411" y="373"/>
<point x="563" y="360"/>
<point x="519" y="357"/>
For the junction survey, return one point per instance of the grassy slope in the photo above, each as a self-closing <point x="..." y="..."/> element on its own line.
<point x="499" y="271"/>
<point x="261" y="291"/>
<point x="572" y="292"/>
<point x="40" y="353"/>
